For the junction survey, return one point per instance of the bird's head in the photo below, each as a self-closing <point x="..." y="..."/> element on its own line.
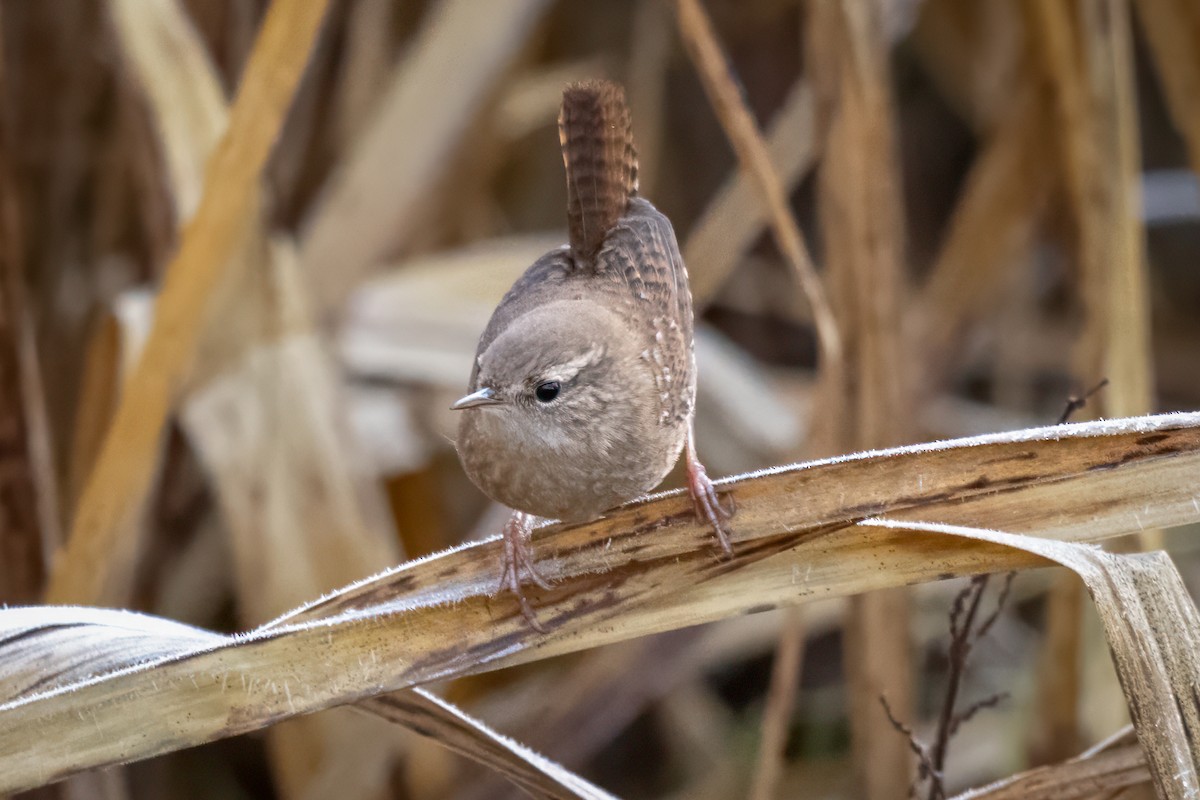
<point x="559" y="376"/>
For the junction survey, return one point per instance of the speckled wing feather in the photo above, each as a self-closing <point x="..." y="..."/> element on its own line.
<point x="596" y="135"/>
<point x="640" y="271"/>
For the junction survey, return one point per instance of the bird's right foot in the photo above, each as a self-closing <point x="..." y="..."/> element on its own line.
<point x="708" y="506"/>
<point x="704" y="496"/>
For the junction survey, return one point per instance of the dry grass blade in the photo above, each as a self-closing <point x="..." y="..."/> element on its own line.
<point x="368" y="53"/>
<point x="651" y="47"/>
<point x="1088" y="59"/>
<point x="1153" y="631"/>
<point x="734" y="218"/>
<point x="861" y="215"/>
<point x="594" y="699"/>
<point x="646" y="568"/>
<point x="103" y="546"/>
<point x="973" y="53"/>
<point x="271" y="429"/>
<point x="1109" y="767"/>
<point x="1056" y="731"/>
<point x="99" y="395"/>
<point x="384" y="192"/>
<point x="743" y="133"/>
<point x="303" y="513"/>
<point x="429" y="715"/>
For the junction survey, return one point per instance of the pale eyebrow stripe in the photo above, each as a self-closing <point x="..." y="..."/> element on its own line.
<point x="569" y="369"/>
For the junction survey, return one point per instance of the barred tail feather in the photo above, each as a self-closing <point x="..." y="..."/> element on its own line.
<point x="597" y="145"/>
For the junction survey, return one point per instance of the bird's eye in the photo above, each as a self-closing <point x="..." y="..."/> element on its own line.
<point x="545" y="392"/>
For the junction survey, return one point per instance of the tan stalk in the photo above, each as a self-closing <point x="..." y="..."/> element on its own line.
<point x="862" y="229"/>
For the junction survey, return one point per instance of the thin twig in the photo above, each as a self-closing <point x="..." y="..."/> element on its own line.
<point x="925" y="768"/>
<point x="960" y="649"/>
<point x="986" y="627"/>
<point x="973" y="709"/>
<point x="957" y="608"/>
<point x="1076" y="403"/>
<point x="743" y="133"/>
<point x="931" y="762"/>
<point x="780" y="705"/>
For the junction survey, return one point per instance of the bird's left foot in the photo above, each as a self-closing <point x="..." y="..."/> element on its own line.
<point x="704" y="498"/>
<point x="518" y="559"/>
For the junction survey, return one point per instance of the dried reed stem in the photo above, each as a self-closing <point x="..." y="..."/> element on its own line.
<point x="98" y="563"/>
<point x="743" y="133"/>
<point x="862" y="229"/>
<point x="30" y="530"/>
<point x="1173" y="33"/>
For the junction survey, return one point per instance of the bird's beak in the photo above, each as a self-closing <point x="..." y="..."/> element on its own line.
<point x="484" y="397"/>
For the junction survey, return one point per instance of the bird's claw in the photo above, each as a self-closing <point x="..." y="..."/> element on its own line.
<point x="707" y="504"/>
<point x="517" y="559"/>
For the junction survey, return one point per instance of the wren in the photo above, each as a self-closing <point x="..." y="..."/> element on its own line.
<point x="583" y="390"/>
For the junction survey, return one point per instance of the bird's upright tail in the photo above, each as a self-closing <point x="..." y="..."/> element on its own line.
<point x="597" y="145"/>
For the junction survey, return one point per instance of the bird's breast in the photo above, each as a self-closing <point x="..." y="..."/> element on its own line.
<point x="568" y="477"/>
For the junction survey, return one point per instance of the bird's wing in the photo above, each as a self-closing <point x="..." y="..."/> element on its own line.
<point x="640" y="272"/>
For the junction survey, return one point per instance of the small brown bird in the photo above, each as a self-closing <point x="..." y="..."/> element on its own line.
<point x="584" y="385"/>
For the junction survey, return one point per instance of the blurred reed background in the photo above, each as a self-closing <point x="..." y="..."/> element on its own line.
<point x="1000" y="197"/>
